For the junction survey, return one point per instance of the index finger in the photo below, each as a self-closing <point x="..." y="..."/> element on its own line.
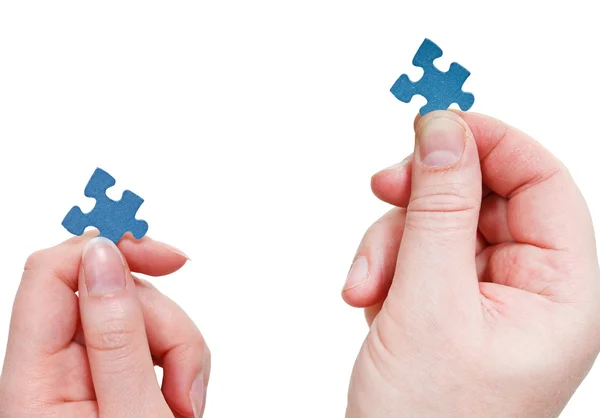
<point x="545" y="207"/>
<point x="45" y="311"/>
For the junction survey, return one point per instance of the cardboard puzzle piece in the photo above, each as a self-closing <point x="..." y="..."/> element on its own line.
<point x="441" y="89"/>
<point x="112" y="218"/>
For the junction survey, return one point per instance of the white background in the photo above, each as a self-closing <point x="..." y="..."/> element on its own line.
<point x="251" y="129"/>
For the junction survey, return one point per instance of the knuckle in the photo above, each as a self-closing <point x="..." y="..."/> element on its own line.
<point x="438" y="209"/>
<point x="446" y="199"/>
<point x="195" y="349"/>
<point x="35" y="260"/>
<point x="114" y="336"/>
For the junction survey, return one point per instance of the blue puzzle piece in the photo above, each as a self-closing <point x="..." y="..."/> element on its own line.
<point x="112" y="218"/>
<point x="441" y="89"/>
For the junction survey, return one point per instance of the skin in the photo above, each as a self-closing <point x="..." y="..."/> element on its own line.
<point x="482" y="284"/>
<point x="480" y="289"/>
<point x="92" y="354"/>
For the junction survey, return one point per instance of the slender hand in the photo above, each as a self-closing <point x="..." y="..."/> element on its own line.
<point x="92" y="353"/>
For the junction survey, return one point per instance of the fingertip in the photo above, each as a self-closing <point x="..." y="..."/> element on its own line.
<point x="198" y="394"/>
<point x="364" y="295"/>
<point x="357" y="297"/>
<point x="186" y="374"/>
<point x="357" y="277"/>
<point x="352" y="297"/>
<point x="372" y="270"/>
<point x="364" y="284"/>
<point x="416" y="120"/>
<point x="392" y="185"/>
<point x="151" y="257"/>
<point x="378" y="183"/>
<point x="147" y="243"/>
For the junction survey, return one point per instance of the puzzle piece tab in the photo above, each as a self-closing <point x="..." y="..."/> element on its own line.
<point x="112" y="218"/>
<point x="441" y="89"/>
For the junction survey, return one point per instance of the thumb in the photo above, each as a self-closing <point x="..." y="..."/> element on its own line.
<point x="436" y="258"/>
<point x="115" y="336"/>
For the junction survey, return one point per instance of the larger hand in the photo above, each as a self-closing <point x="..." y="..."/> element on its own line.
<point x="478" y="308"/>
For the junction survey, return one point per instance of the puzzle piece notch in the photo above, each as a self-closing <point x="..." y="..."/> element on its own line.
<point x="441" y="89"/>
<point x="112" y="218"/>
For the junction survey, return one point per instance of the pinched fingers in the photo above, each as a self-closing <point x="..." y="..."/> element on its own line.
<point x="45" y="311"/>
<point x="546" y="208"/>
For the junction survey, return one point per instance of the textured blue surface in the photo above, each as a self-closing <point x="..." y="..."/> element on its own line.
<point x="441" y="89"/>
<point x="112" y="218"/>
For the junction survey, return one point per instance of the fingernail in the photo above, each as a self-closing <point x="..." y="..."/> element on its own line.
<point x="441" y="141"/>
<point x="197" y="395"/>
<point x="103" y="267"/>
<point x="358" y="273"/>
<point x="175" y="251"/>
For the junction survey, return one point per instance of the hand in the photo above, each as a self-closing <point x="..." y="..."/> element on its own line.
<point x="477" y="308"/>
<point x="92" y="354"/>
